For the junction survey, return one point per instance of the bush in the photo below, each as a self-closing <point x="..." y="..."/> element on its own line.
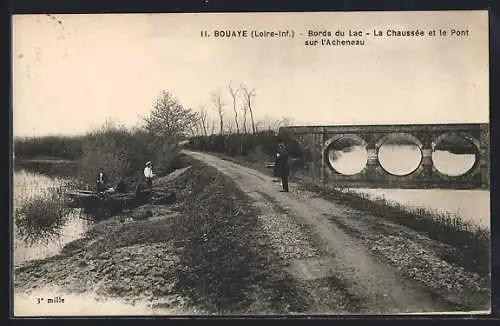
<point x="41" y="217"/>
<point x="122" y="154"/>
<point x="63" y="147"/>
<point x="102" y="149"/>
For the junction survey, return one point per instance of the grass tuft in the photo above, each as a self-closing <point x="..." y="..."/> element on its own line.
<point x="41" y="217"/>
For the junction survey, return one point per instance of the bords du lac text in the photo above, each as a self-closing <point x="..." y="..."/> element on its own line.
<point x="390" y="32"/>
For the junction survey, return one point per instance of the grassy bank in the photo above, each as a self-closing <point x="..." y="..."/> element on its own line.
<point x="228" y="256"/>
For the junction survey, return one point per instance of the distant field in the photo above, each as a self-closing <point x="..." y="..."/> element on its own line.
<point x="53" y="160"/>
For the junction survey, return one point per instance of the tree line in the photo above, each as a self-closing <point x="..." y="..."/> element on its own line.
<point x="120" y="150"/>
<point x="235" y="130"/>
<point x="231" y="128"/>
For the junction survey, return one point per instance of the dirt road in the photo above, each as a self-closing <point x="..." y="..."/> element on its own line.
<point x="377" y="286"/>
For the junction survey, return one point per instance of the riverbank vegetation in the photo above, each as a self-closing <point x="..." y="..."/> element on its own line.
<point x="40" y="209"/>
<point x="119" y="150"/>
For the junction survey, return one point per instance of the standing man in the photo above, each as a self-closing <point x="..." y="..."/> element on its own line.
<point x="283" y="167"/>
<point x="276" y="175"/>
<point x="101" y="181"/>
<point x="148" y="174"/>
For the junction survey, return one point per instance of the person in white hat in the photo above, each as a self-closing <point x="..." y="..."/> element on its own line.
<point x="148" y="174"/>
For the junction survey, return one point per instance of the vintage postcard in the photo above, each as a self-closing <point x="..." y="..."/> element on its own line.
<point x="327" y="163"/>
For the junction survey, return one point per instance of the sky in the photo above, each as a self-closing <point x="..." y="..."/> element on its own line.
<point x="73" y="72"/>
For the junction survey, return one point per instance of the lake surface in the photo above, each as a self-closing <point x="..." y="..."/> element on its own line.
<point x="399" y="160"/>
<point x="29" y="185"/>
<point x="470" y="205"/>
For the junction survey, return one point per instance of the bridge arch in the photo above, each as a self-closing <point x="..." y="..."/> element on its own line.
<point x="469" y="149"/>
<point x="338" y="144"/>
<point x="314" y="140"/>
<point x="405" y="163"/>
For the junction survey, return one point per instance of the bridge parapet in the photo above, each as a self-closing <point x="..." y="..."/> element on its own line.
<point x="395" y="156"/>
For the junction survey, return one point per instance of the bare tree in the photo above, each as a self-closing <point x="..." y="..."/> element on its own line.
<point x="202" y="115"/>
<point x="244" y="109"/>
<point x="272" y="124"/>
<point x="219" y="106"/>
<point x="212" y="127"/>
<point x="275" y="124"/>
<point x="229" y="125"/>
<point x="283" y="123"/>
<point x="265" y="123"/>
<point x="258" y="126"/>
<point x="194" y="128"/>
<point x="234" y="94"/>
<point x="198" y="126"/>
<point x="249" y="95"/>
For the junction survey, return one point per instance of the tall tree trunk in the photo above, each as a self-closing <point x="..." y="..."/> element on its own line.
<point x="236" y="117"/>
<point x="253" y="122"/>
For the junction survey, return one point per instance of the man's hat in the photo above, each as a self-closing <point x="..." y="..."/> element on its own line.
<point x="148" y="163"/>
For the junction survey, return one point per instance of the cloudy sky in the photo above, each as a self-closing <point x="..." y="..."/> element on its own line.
<point x="72" y="72"/>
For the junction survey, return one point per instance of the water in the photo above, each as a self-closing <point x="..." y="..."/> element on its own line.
<point x="348" y="161"/>
<point x="28" y="185"/>
<point x="453" y="164"/>
<point x="470" y="205"/>
<point x="399" y="160"/>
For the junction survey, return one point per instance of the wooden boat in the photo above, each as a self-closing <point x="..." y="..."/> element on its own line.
<point x="102" y="205"/>
<point x="108" y="203"/>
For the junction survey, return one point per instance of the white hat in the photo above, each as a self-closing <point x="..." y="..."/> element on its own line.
<point x="148" y="163"/>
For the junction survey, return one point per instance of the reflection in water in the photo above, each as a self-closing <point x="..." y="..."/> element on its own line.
<point x="28" y="186"/>
<point x="74" y="229"/>
<point x="454" y="156"/>
<point x="399" y="159"/>
<point x="347" y="156"/>
<point x="453" y="164"/>
<point x="470" y="205"/>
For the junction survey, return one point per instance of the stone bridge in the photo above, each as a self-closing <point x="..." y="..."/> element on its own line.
<point x="394" y="156"/>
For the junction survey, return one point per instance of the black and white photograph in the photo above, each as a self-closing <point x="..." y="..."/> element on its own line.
<point x="242" y="164"/>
